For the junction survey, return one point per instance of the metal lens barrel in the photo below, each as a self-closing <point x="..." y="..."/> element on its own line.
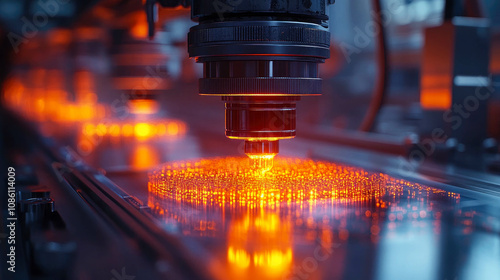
<point x="261" y="58"/>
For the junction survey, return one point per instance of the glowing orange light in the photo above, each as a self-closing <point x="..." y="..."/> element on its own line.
<point x="144" y="157"/>
<point x="436" y="92"/>
<point x="172" y="128"/>
<point x="144" y="106"/>
<point x="142" y="130"/>
<point x="262" y="162"/>
<point x="140" y="28"/>
<point x="259" y="242"/>
<point x="114" y="130"/>
<point x="162" y="129"/>
<point x="127" y="130"/>
<point x="13" y="92"/>
<point x="89" y="129"/>
<point x="59" y="36"/>
<point x="266" y="210"/>
<point x="48" y="101"/>
<point x="437" y="99"/>
<point x="84" y="88"/>
<point x="233" y="183"/>
<point x="88" y="33"/>
<point x="239" y="257"/>
<point x="101" y="129"/>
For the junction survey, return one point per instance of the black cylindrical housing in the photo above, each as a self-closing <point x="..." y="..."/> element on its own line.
<point x="260" y="47"/>
<point x="296" y="10"/>
<point x="260" y="56"/>
<point x="261" y="117"/>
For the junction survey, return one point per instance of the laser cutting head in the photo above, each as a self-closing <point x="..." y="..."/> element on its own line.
<point x="260" y="57"/>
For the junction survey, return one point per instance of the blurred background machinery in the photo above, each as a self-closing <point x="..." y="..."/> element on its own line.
<point x="123" y="170"/>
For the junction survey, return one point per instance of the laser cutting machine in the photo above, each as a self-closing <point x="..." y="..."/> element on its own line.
<point x="116" y="166"/>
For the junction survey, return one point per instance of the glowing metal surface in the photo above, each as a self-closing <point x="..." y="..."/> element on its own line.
<point x="233" y="181"/>
<point x="264" y="216"/>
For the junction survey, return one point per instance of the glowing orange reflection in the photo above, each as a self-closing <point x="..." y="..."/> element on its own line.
<point x="436" y="92"/>
<point x="144" y="157"/>
<point x="143" y="106"/>
<point x="262" y="162"/>
<point x="59" y="36"/>
<point x="139" y="29"/>
<point x="164" y="128"/>
<point x="45" y="97"/>
<point x="261" y="243"/>
<point x="435" y="99"/>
